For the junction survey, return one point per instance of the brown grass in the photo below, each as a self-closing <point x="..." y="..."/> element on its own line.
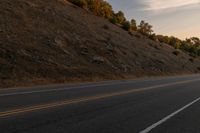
<point x="52" y="41"/>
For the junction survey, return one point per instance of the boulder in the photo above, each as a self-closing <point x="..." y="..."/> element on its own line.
<point x="98" y="60"/>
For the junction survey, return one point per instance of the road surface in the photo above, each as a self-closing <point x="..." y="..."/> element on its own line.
<point x="154" y="105"/>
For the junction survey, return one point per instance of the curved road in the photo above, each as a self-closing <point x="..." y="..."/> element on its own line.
<point x="151" y="105"/>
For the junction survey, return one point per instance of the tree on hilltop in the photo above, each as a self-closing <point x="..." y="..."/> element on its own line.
<point x="145" y="28"/>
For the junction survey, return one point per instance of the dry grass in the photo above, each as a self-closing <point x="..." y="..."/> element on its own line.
<point x="52" y="41"/>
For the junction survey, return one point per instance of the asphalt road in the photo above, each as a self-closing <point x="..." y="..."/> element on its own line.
<point x="151" y="105"/>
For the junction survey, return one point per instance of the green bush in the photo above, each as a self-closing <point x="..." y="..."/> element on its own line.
<point x="113" y="20"/>
<point x="126" y="25"/>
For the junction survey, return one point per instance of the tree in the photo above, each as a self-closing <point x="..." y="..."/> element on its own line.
<point x="149" y="29"/>
<point x="94" y="6"/>
<point x="141" y="27"/>
<point x="133" y="25"/>
<point x="153" y="37"/>
<point x="145" y="28"/>
<point x="126" y="25"/>
<point x="192" y="46"/>
<point x="113" y="20"/>
<point x="106" y="10"/>
<point x="175" y="42"/>
<point x="195" y="40"/>
<point x="120" y="17"/>
<point x="163" y="39"/>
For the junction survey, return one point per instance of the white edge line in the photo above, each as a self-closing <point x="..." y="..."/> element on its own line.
<point x="148" y="129"/>
<point x="75" y="87"/>
<point x="63" y="88"/>
<point x="51" y="90"/>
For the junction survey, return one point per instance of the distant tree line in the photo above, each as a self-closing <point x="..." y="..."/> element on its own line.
<point x="191" y="45"/>
<point x="104" y="9"/>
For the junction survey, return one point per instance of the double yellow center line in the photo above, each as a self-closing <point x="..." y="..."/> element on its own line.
<point x="85" y="99"/>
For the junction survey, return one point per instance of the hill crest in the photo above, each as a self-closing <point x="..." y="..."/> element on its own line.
<point x="53" y="41"/>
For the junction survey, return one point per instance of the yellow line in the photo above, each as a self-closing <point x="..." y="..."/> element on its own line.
<point x="85" y="99"/>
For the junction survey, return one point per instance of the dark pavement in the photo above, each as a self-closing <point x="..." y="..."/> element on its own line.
<point x="128" y="106"/>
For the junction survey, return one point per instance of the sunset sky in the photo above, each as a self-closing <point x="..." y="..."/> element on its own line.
<point x="180" y="18"/>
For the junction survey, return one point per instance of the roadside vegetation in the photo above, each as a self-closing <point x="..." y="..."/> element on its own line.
<point x="104" y="9"/>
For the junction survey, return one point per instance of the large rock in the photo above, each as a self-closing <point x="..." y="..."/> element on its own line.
<point x="98" y="60"/>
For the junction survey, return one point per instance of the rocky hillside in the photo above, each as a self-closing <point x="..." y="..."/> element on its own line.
<point x="53" y="41"/>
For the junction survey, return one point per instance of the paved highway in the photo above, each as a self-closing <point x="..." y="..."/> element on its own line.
<point x="151" y="105"/>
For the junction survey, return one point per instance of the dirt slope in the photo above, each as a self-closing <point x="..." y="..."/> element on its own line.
<point x="53" y="41"/>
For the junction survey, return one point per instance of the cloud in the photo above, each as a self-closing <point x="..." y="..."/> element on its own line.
<point x="167" y="4"/>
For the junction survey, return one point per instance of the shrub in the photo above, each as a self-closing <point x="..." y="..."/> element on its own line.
<point x="153" y="37"/>
<point x="126" y="25"/>
<point x="106" y="27"/>
<point x="113" y="20"/>
<point x="176" y="53"/>
<point x="191" y="60"/>
<point x="198" y="68"/>
<point x="138" y="36"/>
<point x="80" y="3"/>
<point x="130" y="33"/>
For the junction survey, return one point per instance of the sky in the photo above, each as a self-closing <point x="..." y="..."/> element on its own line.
<point x="180" y="18"/>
